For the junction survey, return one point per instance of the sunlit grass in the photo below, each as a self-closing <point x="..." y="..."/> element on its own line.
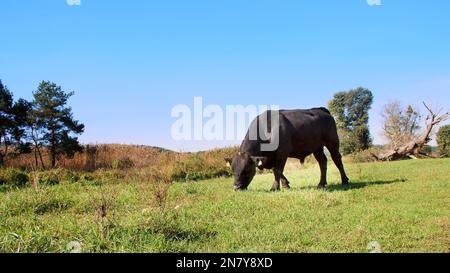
<point x="405" y="206"/>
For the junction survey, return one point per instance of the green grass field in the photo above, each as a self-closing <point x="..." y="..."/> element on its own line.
<point x="404" y="206"/>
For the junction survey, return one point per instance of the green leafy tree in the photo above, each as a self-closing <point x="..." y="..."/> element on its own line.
<point x="443" y="140"/>
<point x="351" y="110"/>
<point x="13" y="117"/>
<point x="52" y="121"/>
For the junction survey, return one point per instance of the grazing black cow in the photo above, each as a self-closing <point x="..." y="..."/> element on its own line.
<point x="300" y="133"/>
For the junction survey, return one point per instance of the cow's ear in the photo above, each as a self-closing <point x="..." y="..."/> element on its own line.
<point x="259" y="161"/>
<point x="228" y="161"/>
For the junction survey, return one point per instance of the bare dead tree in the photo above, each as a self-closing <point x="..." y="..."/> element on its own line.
<point x="400" y="125"/>
<point x="413" y="148"/>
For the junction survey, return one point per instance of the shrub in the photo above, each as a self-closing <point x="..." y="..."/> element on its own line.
<point x="189" y="169"/>
<point x="365" y="156"/>
<point x="443" y="140"/>
<point x="122" y="164"/>
<point x="13" y="177"/>
<point x="54" y="204"/>
<point x="57" y="176"/>
<point x="427" y="150"/>
<point x="200" y="166"/>
<point x="107" y="175"/>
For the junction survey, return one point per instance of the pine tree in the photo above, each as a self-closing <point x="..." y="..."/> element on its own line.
<point x="13" y="117"/>
<point x="53" y="121"/>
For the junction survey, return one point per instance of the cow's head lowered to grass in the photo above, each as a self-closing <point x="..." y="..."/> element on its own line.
<point x="244" y="169"/>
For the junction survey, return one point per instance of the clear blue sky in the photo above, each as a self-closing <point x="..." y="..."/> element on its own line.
<point x="130" y="62"/>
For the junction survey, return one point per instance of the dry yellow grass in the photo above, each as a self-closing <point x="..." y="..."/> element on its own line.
<point x="133" y="158"/>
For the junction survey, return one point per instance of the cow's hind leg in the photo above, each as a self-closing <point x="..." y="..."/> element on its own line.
<point x="285" y="182"/>
<point x="322" y="159"/>
<point x="337" y="158"/>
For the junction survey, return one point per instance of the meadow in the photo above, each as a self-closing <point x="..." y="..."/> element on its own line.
<point x="402" y="206"/>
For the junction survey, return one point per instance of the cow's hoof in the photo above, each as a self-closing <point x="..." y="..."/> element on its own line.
<point x="322" y="186"/>
<point x="274" y="189"/>
<point x="346" y="181"/>
<point x="286" y="186"/>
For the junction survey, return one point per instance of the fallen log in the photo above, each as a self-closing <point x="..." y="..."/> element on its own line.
<point x="413" y="148"/>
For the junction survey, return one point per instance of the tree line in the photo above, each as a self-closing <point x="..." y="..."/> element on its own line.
<point x="45" y="123"/>
<point x="401" y="126"/>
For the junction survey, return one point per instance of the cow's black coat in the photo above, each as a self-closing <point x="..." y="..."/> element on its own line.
<point x="301" y="133"/>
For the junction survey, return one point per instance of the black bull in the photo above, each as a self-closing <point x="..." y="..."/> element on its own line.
<point x="298" y="134"/>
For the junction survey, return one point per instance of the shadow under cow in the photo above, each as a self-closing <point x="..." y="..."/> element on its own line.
<point x="357" y="185"/>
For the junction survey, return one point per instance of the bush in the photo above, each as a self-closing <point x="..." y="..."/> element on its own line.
<point x="443" y="140"/>
<point x="53" y="204"/>
<point x="191" y="168"/>
<point x="365" y="156"/>
<point x="57" y="176"/>
<point x="13" y="177"/>
<point x="122" y="164"/>
<point x="427" y="150"/>
<point x="199" y="167"/>
<point x="106" y="175"/>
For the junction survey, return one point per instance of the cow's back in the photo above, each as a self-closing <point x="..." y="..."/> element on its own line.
<point x="302" y="132"/>
<point x="316" y="121"/>
<point x="310" y="129"/>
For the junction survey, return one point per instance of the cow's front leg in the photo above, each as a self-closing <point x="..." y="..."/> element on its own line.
<point x="278" y="172"/>
<point x="278" y="175"/>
